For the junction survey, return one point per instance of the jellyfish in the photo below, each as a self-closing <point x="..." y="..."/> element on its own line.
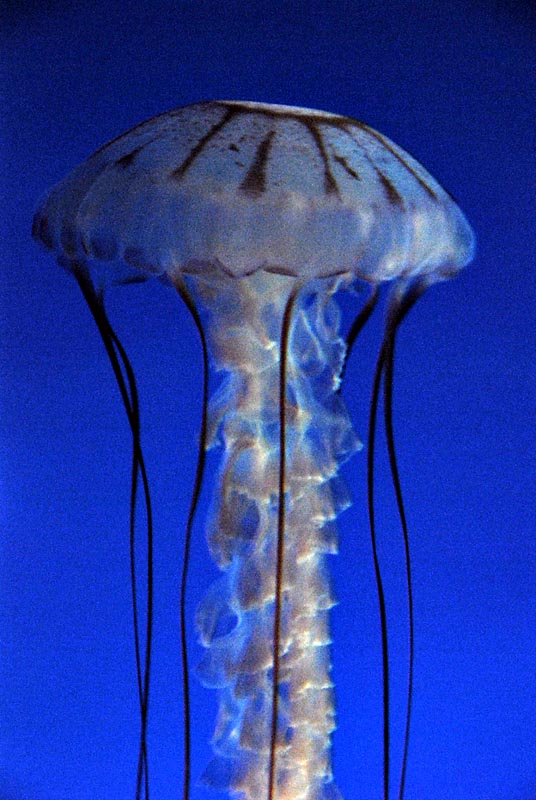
<point x="258" y="215"/>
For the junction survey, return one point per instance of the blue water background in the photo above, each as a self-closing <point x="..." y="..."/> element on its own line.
<point x="453" y="82"/>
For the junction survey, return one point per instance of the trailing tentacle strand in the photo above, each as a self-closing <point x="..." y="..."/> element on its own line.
<point x="126" y="382"/>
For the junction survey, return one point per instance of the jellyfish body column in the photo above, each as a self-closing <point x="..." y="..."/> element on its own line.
<point x="247" y="320"/>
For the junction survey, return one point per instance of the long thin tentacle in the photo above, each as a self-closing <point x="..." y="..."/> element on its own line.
<point x="355" y="329"/>
<point x="138" y="464"/>
<point x="401" y="304"/>
<point x="198" y="480"/>
<point x="284" y="346"/>
<point x="357" y="326"/>
<point x="380" y="363"/>
<point x="128" y="390"/>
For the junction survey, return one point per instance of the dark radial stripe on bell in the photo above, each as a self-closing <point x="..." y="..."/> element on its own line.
<point x="392" y="194"/>
<point x="255" y="181"/>
<point x="128" y="159"/>
<point x="346" y="166"/>
<point x="398" y="157"/>
<point x="330" y="184"/>
<point x="198" y="148"/>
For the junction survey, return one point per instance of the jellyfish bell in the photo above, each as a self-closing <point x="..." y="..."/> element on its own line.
<point x="259" y="214"/>
<point x="248" y="186"/>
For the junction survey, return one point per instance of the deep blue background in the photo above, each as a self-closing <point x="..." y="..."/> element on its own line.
<point x="454" y="83"/>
